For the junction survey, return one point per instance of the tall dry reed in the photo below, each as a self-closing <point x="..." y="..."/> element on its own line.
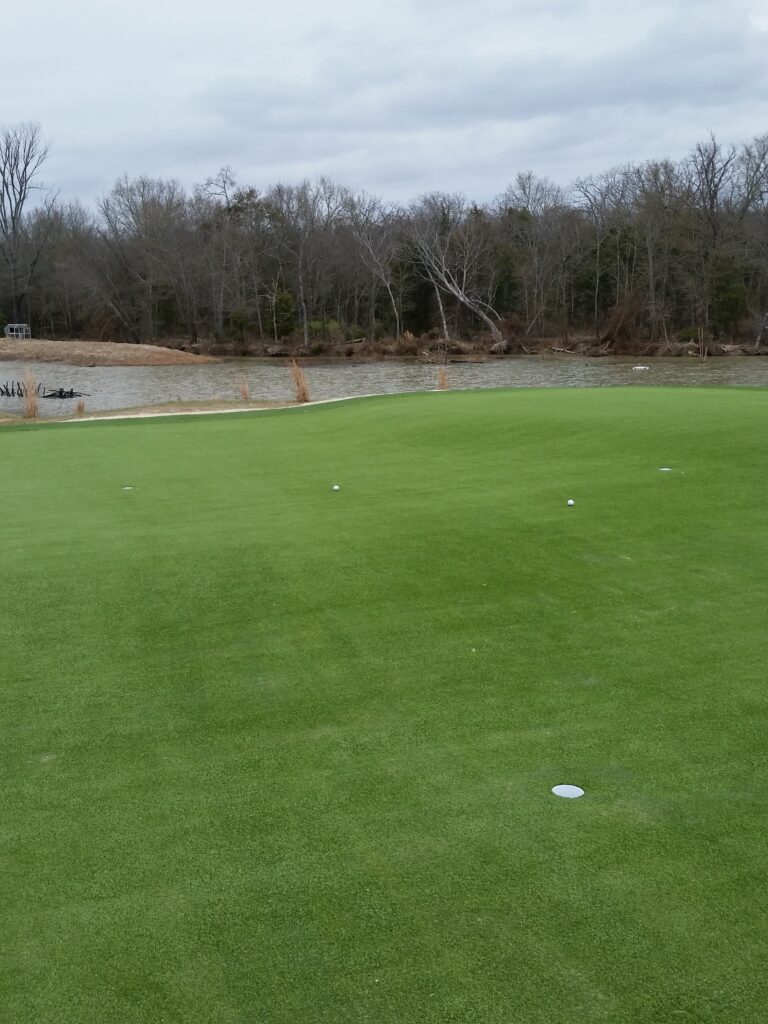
<point x="443" y="380"/>
<point x="300" y="383"/>
<point x="80" y="408"/>
<point x="30" y="395"/>
<point x="242" y="388"/>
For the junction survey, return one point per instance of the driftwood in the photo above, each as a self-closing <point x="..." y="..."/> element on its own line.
<point x="64" y="393"/>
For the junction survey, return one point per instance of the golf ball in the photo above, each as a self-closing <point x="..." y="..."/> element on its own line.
<point x="571" y="501"/>
<point x="336" y="487"/>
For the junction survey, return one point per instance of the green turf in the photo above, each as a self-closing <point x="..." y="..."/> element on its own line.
<point x="272" y="753"/>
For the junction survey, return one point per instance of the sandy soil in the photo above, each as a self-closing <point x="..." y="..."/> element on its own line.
<point x="180" y="409"/>
<point x="160" y="409"/>
<point x="95" y="353"/>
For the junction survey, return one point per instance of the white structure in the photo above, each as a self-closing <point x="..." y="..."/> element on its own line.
<point x="18" y="331"/>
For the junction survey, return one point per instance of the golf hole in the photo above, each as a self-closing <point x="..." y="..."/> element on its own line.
<point x="570" y="792"/>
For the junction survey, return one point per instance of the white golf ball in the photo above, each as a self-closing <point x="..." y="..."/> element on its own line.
<point x="571" y="501"/>
<point x="336" y="487"/>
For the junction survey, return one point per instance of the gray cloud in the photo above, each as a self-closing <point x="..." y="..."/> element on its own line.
<point x="402" y="99"/>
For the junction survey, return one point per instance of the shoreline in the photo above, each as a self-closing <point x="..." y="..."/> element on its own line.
<point x="119" y="354"/>
<point x="569" y="371"/>
<point x="194" y="409"/>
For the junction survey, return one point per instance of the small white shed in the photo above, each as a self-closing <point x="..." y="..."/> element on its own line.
<point x="18" y="331"/>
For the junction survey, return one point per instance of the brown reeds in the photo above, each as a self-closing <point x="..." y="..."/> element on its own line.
<point x="80" y="408"/>
<point x="242" y="388"/>
<point x="300" y="383"/>
<point x="443" y="380"/>
<point x="30" y="395"/>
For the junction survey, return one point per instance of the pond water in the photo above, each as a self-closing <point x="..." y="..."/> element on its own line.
<point x="117" y="387"/>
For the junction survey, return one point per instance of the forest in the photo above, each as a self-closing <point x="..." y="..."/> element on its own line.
<point x="657" y="257"/>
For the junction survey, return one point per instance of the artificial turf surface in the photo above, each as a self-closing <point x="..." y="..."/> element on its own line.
<point x="272" y="753"/>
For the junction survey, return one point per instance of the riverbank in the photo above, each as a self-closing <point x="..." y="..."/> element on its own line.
<point x="422" y="350"/>
<point x="432" y="350"/>
<point x="96" y="353"/>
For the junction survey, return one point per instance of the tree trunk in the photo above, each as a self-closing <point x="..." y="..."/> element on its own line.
<point x="372" y="330"/>
<point x="304" y="314"/>
<point x="443" y="321"/>
<point x="492" y="327"/>
<point x="257" y="299"/>
<point x="597" y="288"/>
<point x="394" y="309"/>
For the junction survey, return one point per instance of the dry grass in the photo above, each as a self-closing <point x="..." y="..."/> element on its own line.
<point x="443" y="380"/>
<point x="30" y="395"/>
<point x="243" y="390"/>
<point x="80" y="408"/>
<point x="96" y="353"/>
<point x="300" y="383"/>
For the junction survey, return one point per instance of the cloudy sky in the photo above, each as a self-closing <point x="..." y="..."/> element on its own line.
<point x="398" y="97"/>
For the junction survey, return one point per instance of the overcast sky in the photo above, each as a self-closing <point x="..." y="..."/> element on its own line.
<point x="398" y="97"/>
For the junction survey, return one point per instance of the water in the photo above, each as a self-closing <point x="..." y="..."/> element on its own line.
<point x="118" y="387"/>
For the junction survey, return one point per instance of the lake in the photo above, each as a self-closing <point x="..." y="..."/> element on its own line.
<point x="117" y="387"/>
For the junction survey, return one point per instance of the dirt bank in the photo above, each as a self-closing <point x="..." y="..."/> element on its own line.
<point x="95" y="353"/>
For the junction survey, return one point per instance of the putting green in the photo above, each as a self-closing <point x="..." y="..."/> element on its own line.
<point x="275" y="753"/>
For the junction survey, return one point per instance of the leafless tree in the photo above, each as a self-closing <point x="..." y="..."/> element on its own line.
<point x="22" y="155"/>
<point x="600" y="197"/>
<point x="301" y="218"/>
<point x="655" y="252"/>
<point x="531" y="214"/>
<point x="453" y="242"/>
<point x="376" y="231"/>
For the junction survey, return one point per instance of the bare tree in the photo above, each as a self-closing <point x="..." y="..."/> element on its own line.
<point x="599" y="196"/>
<point x="376" y="232"/>
<point x="654" y="254"/>
<point x="726" y="186"/>
<point x="144" y="254"/>
<point x="453" y="243"/>
<point x="301" y="218"/>
<point x="22" y="154"/>
<point x="659" y="201"/>
<point x="531" y="213"/>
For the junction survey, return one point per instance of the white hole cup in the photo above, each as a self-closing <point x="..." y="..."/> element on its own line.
<point x="569" y="792"/>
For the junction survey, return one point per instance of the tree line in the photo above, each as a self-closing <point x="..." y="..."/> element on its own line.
<point x="649" y="256"/>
